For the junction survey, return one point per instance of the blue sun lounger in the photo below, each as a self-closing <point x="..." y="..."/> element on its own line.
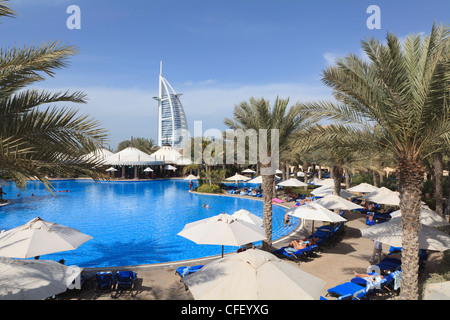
<point x="296" y="255"/>
<point x="348" y="291"/>
<point x="185" y="270"/>
<point x="125" y="280"/>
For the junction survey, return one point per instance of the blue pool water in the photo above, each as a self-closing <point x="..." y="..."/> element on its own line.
<point x="131" y="223"/>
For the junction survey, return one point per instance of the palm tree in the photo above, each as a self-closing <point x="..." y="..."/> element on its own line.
<point x="404" y="90"/>
<point x="258" y="114"/>
<point x="35" y="142"/>
<point x="145" y="145"/>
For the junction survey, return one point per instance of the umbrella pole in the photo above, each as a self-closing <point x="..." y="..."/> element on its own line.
<point x="222" y="251"/>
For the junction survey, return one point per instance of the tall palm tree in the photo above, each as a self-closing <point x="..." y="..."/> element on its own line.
<point x="36" y="140"/>
<point x="403" y="89"/>
<point x="258" y="114"/>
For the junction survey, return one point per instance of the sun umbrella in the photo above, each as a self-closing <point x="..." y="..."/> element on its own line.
<point x="363" y="188"/>
<point x="238" y="177"/>
<point x="38" y="237"/>
<point x="111" y="169"/>
<point x="428" y="217"/>
<point x="316" y="181"/>
<point x="333" y="201"/>
<point x="224" y="230"/>
<point x="258" y="179"/>
<point x="248" y="171"/>
<point x="292" y="183"/>
<point x="148" y="169"/>
<point x="34" y="279"/>
<point x="169" y="167"/>
<point x="328" y="183"/>
<point x="383" y="196"/>
<point x="191" y="177"/>
<point x="253" y="275"/>
<point x="316" y="212"/>
<point x="325" y="191"/>
<point x="390" y="233"/>
<point x="247" y="216"/>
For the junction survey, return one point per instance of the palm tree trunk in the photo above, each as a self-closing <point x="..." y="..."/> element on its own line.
<point x="337" y="177"/>
<point x="438" y="192"/>
<point x="410" y="181"/>
<point x="375" y="178"/>
<point x="347" y="178"/>
<point x="305" y="170"/>
<point x="267" y="186"/>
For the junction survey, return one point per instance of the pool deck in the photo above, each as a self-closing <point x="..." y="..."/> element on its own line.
<point x="335" y="265"/>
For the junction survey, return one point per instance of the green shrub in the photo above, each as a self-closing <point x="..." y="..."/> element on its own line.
<point x="206" y="188"/>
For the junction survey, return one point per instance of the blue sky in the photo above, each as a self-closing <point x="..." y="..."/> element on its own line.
<point x="217" y="52"/>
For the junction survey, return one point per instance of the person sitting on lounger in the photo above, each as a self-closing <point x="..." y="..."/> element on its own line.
<point x="375" y="277"/>
<point x="298" y="245"/>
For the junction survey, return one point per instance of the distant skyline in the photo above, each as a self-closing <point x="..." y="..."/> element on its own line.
<point x="217" y="53"/>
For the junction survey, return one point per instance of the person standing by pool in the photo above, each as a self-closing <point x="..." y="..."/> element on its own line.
<point x="190" y="184"/>
<point x="287" y="220"/>
<point x="377" y="251"/>
<point x="2" y="193"/>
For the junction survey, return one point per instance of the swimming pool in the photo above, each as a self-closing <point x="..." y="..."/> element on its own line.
<point x="131" y="223"/>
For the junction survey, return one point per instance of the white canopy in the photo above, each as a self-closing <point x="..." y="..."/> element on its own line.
<point x="169" y="167"/>
<point x="253" y="275"/>
<point x="34" y="279"/>
<point x="169" y="155"/>
<point x="328" y="183"/>
<point x="292" y="183"/>
<point x="383" y="196"/>
<point x="363" y="188"/>
<point x="390" y="233"/>
<point x="222" y="229"/>
<point x="314" y="211"/>
<point x="38" y="237"/>
<point x="333" y="201"/>
<point x="148" y="169"/>
<point x="191" y="177"/>
<point x="131" y="156"/>
<point x="247" y="216"/>
<point x="325" y="191"/>
<point x="428" y="217"/>
<point x="248" y="171"/>
<point x="299" y="174"/>
<point x="316" y="181"/>
<point x="99" y="154"/>
<point x="111" y="169"/>
<point x="258" y="179"/>
<point x="238" y="177"/>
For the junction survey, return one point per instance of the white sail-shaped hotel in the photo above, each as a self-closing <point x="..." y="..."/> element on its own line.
<point x="171" y="117"/>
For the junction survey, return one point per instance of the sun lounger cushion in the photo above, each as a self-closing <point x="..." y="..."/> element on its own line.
<point x="184" y="271"/>
<point x="345" y="289"/>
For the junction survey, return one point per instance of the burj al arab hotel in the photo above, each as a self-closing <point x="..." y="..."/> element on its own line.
<point x="171" y="117"/>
